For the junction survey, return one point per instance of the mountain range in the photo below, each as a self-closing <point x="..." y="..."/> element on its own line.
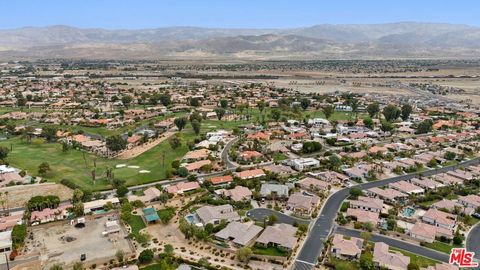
<point x="326" y="41"/>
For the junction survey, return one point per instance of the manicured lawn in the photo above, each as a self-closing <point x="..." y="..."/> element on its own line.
<point x="136" y="223"/>
<point x="439" y="246"/>
<point x="279" y="157"/>
<point x="419" y="260"/>
<point x="270" y="251"/>
<point x="343" y="264"/>
<point x="78" y="165"/>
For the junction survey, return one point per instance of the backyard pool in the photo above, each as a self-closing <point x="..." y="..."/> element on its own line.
<point x="192" y="219"/>
<point x="408" y="212"/>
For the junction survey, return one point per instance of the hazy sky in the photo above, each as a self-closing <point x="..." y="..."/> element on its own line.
<point x="133" y="14"/>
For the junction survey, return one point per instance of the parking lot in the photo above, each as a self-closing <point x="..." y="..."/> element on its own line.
<point x="53" y="240"/>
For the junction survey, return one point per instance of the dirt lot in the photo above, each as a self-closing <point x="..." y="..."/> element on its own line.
<point x="51" y="240"/>
<point x="19" y="195"/>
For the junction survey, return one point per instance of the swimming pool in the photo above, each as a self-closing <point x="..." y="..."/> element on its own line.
<point x="191" y="218"/>
<point x="408" y="212"/>
<point x="99" y="212"/>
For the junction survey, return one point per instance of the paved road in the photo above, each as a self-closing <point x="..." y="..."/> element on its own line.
<point x="226" y="150"/>
<point x="308" y="256"/>
<point x="473" y="241"/>
<point x="259" y="214"/>
<point x="416" y="249"/>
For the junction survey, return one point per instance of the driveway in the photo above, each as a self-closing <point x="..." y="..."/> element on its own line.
<point x="259" y="214"/>
<point x="308" y="255"/>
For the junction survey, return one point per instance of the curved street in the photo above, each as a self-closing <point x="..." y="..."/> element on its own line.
<point x="473" y="241"/>
<point x="319" y="233"/>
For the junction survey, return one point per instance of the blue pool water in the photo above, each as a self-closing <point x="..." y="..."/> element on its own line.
<point x="99" y="212"/>
<point x="408" y="212"/>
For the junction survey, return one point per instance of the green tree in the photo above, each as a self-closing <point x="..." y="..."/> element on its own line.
<point x="413" y="266"/>
<point x="122" y="191"/>
<point x="126" y="100"/>
<point x="146" y="256"/>
<point x="120" y="255"/>
<point x="220" y="113"/>
<point x="77" y="195"/>
<point x="175" y="141"/>
<point x="406" y="111"/>
<point x="180" y="122"/>
<point x="373" y="109"/>
<point x="194" y="102"/>
<point x="4" y="152"/>
<point x="305" y="103"/>
<point x="116" y="143"/>
<point x="272" y="219"/>
<point x="328" y="111"/>
<point x="386" y="126"/>
<point x="224" y="103"/>
<point x="56" y="267"/>
<point x="276" y="114"/>
<point x="168" y="249"/>
<point x="366" y="261"/>
<point x="43" y="168"/>
<point x="244" y="254"/>
<point x="355" y="192"/>
<point x="196" y="126"/>
<point x="424" y="127"/>
<point x="165" y="99"/>
<point x="49" y="133"/>
<point x="391" y="112"/>
<point x="368" y="122"/>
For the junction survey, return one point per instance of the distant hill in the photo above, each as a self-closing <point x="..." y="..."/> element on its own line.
<point x="370" y="41"/>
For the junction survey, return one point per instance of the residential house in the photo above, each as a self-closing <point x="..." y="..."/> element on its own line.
<point x="250" y="174"/>
<point x="241" y="234"/>
<point x="277" y="190"/>
<point x="149" y="195"/>
<point x="367" y="204"/>
<point x="448" y="179"/>
<point x="470" y="201"/>
<point x="440" y="219"/>
<point x="182" y="187"/>
<point x="302" y="164"/>
<point x="221" y="180"/>
<point x="237" y="194"/>
<point x="427" y="233"/>
<point x="197" y="165"/>
<point x="347" y="249"/>
<point x="280" y="170"/>
<point x="462" y="175"/>
<point x="48" y="214"/>
<point x="214" y="214"/>
<point x="313" y="184"/>
<point x="387" y="194"/>
<point x="196" y="155"/>
<point x="384" y="258"/>
<point x="302" y="204"/>
<point x="406" y="187"/>
<point x="331" y="177"/>
<point x="96" y="205"/>
<point x="426" y="183"/>
<point x="280" y="235"/>
<point x="364" y="216"/>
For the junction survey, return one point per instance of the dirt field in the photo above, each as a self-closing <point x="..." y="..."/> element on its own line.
<point x="136" y="151"/>
<point x="19" y="195"/>
<point x="51" y="240"/>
